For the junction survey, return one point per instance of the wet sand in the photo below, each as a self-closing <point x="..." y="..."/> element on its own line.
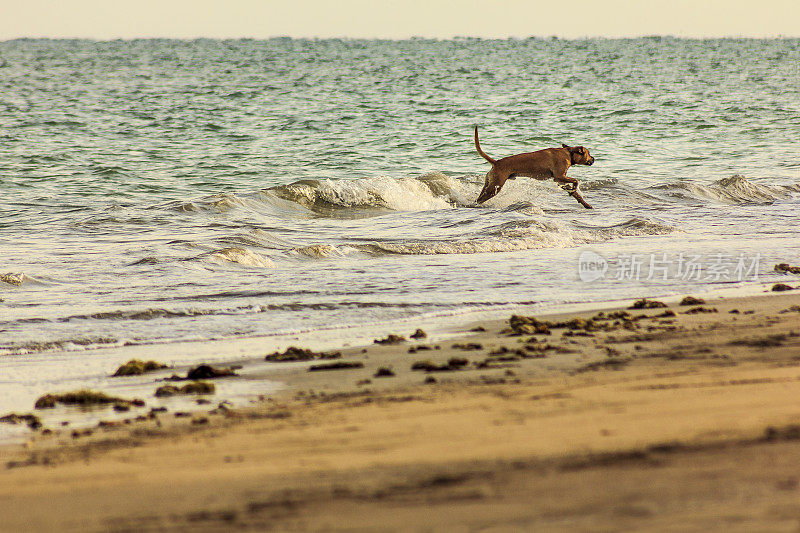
<point x="641" y="421"/>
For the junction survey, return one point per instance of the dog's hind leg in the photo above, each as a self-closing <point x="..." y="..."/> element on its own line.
<point x="494" y="182"/>
<point x="488" y="191"/>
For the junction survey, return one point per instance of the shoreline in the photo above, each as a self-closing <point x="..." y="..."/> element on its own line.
<point x="93" y="366"/>
<point x="602" y="398"/>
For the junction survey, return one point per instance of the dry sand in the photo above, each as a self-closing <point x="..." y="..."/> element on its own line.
<point x="685" y="422"/>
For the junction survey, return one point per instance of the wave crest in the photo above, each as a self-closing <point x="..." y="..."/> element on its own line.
<point x="240" y="256"/>
<point x="736" y="189"/>
<point x="428" y="192"/>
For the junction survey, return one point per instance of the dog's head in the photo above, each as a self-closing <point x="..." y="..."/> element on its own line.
<point x="578" y="155"/>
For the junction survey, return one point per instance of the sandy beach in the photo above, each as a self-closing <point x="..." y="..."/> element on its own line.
<point x="682" y="417"/>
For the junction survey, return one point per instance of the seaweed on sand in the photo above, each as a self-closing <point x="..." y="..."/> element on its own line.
<point x="606" y="364"/>
<point x="419" y="334"/>
<point x="32" y="421"/>
<point x="195" y="387"/>
<point x="644" y="303"/>
<point x="454" y="363"/>
<point x="84" y="398"/>
<point x="209" y="372"/>
<point x="135" y="367"/>
<point x="390" y="339"/>
<point x="761" y="342"/>
<point x="293" y="353"/>
<point x="339" y="365"/>
<point x="786" y="268"/>
<point x="384" y="372"/>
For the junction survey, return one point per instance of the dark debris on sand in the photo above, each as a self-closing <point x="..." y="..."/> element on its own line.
<point x="391" y="339"/>
<point x="339" y="365"/>
<point x="761" y="342"/>
<point x="786" y="268"/>
<point x="135" y="367"/>
<point x="644" y="303"/>
<point x="454" y="363"/>
<point x="32" y="421"/>
<point x="294" y="353"/>
<point x="204" y="372"/>
<point x="83" y="397"/>
<point x="419" y="334"/>
<point x="700" y="309"/>
<point x="529" y="325"/>
<point x="196" y="387"/>
<point x="209" y="372"/>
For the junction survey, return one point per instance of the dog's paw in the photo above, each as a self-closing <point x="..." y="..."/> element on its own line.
<point x="570" y="187"/>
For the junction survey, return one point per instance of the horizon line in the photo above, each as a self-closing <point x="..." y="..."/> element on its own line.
<point x="409" y="38"/>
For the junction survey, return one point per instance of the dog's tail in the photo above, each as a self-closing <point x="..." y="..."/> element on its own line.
<point x="478" y="147"/>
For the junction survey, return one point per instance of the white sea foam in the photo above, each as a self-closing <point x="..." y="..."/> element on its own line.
<point x="428" y="192"/>
<point x="241" y="256"/>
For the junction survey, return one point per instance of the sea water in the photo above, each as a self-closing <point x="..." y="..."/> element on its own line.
<point x="156" y="191"/>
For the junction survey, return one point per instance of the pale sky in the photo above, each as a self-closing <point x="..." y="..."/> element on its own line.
<point x="111" y="19"/>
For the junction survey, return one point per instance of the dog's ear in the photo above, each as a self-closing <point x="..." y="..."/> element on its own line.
<point x="564" y="146"/>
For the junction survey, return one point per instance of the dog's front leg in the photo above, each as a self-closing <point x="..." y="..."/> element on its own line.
<point x="571" y="186"/>
<point x="575" y="194"/>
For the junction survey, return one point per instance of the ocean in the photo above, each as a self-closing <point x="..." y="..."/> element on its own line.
<point x="157" y="192"/>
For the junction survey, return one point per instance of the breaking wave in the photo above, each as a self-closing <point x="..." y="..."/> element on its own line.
<point x="734" y="190"/>
<point x="506" y="237"/>
<point x="239" y="256"/>
<point x="527" y="214"/>
<point x="78" y="343"/>
<point x="431" y="191"/>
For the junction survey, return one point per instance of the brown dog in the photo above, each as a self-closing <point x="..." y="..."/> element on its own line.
<point x="542" y="165"/>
